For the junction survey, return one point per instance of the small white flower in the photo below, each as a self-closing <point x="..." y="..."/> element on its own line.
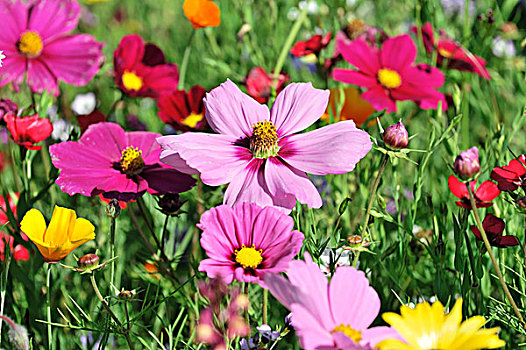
<point x="340" y="257"/>
<point x="2" y="56"/>
<point x="503" y="48"/>
<point x="84" y="103"/>
<point x="61" y="130"/>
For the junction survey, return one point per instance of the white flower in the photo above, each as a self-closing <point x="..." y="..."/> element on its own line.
<point x="340" y="257"/>
<point x="84" y="103"/>
<point x="61" y="130"/>
<point x="2" y="56"/>
<point x="503" y="48"/>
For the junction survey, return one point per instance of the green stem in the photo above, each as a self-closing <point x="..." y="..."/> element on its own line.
<point x="492" y="257"/>
<point x="288" y="44"/>
<point x="112" y="251"/>
<point x="265" y="304"/>
<point x="184" y="64"/>
<point x="245" y="291"/>
<point x="48" y="306"/>
<point x="163" y="236"/>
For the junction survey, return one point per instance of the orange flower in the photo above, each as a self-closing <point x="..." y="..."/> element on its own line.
<point x="202" y="13"/>
<point x="354" y="107"/>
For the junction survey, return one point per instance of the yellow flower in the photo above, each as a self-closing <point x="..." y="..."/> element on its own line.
<point x="65" y="232"/>
<point x="428" y="327"/>
<point x="202" y="13"/>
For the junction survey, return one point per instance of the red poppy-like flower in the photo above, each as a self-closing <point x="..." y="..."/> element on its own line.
<point x="313" y="45"/>
<point x="86" y="120"/>
<point x="141" y="70"/>
<point x="19" y="252"/>
<point x="27" y="131"/>
<point x="494" y="227"/>
<point x="484" y="194"/>
<point x="12" y="205"/>
<point x="510" y="177"/>
<point x="183" y="110"/>
<point x="258" y="83"/>
<point x="450" y="51"/>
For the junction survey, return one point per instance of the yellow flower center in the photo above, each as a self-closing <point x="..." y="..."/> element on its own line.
<point x="389" y="78"/>
<point x="264" y="140"/>
<point x="131" y="161"/>
<point x="248" y="257"/>
<point x="30" y="44"/>
<point x="352" y="333"/>
<point x="192" y="120"/>
<point x="131" y="81"/>
<point x="445" y="53"/>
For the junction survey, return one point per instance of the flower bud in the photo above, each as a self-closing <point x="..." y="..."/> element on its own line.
<point x="7" y="107"/>
<point x="17" y="334"/>
<point x="88" y="260"/>
<point x="467" y="163"/>
<point x="113" y="210"/>
<point x="521" y="202"/>
<point x="396" y="136"/>
<point x="170" y="203"/>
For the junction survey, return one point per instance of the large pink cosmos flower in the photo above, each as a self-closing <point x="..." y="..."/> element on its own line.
<point x="331" y="316"/>
<point x="390" y="75"/>
<point x="34" y="39"/>
<point x="247" y="241"/>
<point x="121" y="165"/>
<point x="260" y="153"/>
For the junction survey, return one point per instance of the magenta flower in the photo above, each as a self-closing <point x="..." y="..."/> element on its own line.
<point x="260" y="153"/>
<point x="389" y="74"/>
<point x="34" y="39"/>
<point x="330" y="316"/>
<point x="246" y="242"/>
<point x="121" y="165"/>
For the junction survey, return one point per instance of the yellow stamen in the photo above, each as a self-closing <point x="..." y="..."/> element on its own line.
<point x="389" y="78"/>
<point x="131" y="161"/>
<point x="352" y="333"/>
<point x="264" y="140"/>
<point x="192" y="120"/>
<point x="131" y="81"/>
<point x="445" y="53"/>
<point x="248" y="257"/>
<point x="30" y="44"/>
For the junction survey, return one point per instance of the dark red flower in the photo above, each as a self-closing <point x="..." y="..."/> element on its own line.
<point x="494" y="227"/>
<point x="12" y="205"/>
<point x="258" y="83"/>
<point x="511" y="176"/>
<point x="314" y="45"/>
<point x="484" y="194"/>
<point x="183" y="110"/>
<point x="86" y="120"/>
<point x="141" y="70"/>
<point x="456" y="56"/>
<point x="27" y="131"/>
<point x="7" y="107"/>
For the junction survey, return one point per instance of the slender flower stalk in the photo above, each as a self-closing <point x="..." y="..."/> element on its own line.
<point x="48" y="306"/>
<point x="492" y="257"/>
<point x="112" y="251"/>
<point x="265" y="305"/>
<point x="184" y="64"/>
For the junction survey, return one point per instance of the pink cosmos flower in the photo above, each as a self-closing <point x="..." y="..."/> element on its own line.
<point x="261" y="154"/>
<point x="246" y="242"/>
<point x="121" y="165"/>
<point x="330" y="316"/>
<point x="389" y="74"/>
<point x="34" y="39"/>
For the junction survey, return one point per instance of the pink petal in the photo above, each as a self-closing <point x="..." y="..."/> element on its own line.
<point x="13" y="69"/>
<point x="106" y="138"/>
<point x="311" y="333"/>
<point x="398" y="52"/>
<point x="129" y="53"/>
<point x="214" y="156"/>
<point x="215" y="269"/>
<point x="283" y="290"/>
<point x="13" y="16"/>
<point x="221" y="236"/>
<point x="362" y="56"/>
<point x="350" y="76"/>
<point x="297" y="107"/>
<point x="374" y="335"/>
<point x="174" y="159"/>
<point x="231" y="112"/>
<point x="74" y="59"/>
<point x="146" y="142"/>
<point x="380" y="99"/>
<point x="51" y="18"/>
<point x="333" y="149"/>
<point x="360" y="310"/>
<point x="279" y="258"/>
<point x="40" y="77"/>
<point x="284" y="181"/>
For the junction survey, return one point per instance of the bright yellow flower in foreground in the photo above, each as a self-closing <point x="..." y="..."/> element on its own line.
<point x="65" y="232"/>
<point x="428" y="327"/>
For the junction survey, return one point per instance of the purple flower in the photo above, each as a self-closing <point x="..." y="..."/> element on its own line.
<point x="467" y="163"/>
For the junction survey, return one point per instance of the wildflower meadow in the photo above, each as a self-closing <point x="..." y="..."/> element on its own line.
<point x="263" y="174"/>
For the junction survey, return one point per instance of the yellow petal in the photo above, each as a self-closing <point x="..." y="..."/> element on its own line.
<point x="62" y="220"/>
<point x="83" y="231"/>
<point x="392" y="344"/>
<point x="34" y="226"/>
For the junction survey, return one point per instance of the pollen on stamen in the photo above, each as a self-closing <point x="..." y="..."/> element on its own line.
<point x="131" y="161"/>
<point x="264" y="140"/>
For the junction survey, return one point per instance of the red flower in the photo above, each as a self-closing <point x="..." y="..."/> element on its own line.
<point x="258" y="83"/>
<point x="511" y="176"/>
<point x="486" y="192"/>
<point x="183" y="110"/>
<point x="12" y="204"/>
<point x="448" y="49"/>
<point x="494" y="227"/>
<point x="27" y="131"/>
<point x="19" y="252"/>
<point x="312" y="46"/>
<point x="86" y="120"/>
<point x="141" y="70"/>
